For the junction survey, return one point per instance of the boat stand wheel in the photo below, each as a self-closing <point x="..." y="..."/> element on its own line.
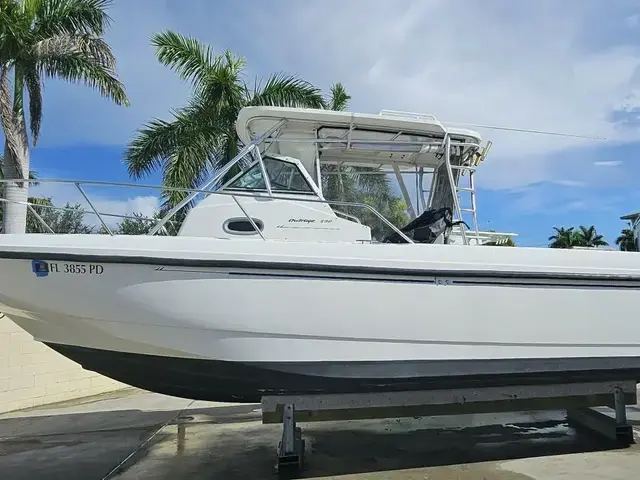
<point x="291" y="446"/>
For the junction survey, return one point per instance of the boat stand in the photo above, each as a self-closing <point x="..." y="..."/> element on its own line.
<point x="291" y="446"/>
<point x="615" y="428"/>
<point x="577" y="399"/>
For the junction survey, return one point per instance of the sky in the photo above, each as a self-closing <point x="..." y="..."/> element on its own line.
<point x="570" y="66"/>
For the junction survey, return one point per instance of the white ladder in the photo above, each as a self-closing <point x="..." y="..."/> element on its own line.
<point x="469" y="167"/>
<point x="471" y="189"/>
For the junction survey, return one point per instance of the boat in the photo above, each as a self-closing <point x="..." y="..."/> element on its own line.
<point x="269" y="288"/>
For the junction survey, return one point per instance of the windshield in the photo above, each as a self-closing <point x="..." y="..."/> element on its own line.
<point x="283" y="176"/>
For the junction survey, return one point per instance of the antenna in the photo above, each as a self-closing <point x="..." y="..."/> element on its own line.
<point x="524" y="130"/>
<point x="428" y="117"/>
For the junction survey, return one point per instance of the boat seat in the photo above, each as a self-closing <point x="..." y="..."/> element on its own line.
<point x="427" y="227"/>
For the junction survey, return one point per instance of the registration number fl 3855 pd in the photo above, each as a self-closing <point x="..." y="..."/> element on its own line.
<point x="68" y="268"/>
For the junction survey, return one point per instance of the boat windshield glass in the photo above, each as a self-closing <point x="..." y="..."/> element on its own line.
<point x="283" y="176"/>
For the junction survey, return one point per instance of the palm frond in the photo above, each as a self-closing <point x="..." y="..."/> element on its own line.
<point x="33" y="83"/>
<point x="187" y="168"/>
<point x="187" y="56"/>
<point x="7" y="8"/>
<point x="56" y="17"/>
<point x="339" y="98"/>
<point x="287" y="91"/>
<point x="11" y="28"/>
<point x="222" y="89"/>
<point x="28" y="8"/>
<point x="159" y="139"/>
<point x="81" y="59"/>
<point x="94" y="48"/>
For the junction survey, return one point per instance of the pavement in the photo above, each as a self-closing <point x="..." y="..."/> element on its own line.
<point x="133" y="434"/>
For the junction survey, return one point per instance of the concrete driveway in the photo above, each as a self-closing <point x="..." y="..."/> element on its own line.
<point x="133" y="435"/>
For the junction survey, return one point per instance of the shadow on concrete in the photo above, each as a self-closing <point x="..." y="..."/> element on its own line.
<point x="439" y="447"/>
<point x="229" y="442"/>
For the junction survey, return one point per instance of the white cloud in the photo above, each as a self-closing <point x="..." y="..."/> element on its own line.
<point x="570" y="183"/>
<point x="608" y="163"/>
<point x="527" y="65"/>
<point x="513" y="66"/>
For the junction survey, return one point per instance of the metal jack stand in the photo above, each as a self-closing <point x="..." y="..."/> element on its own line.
<point x="623" y="429"/>
<point x="291" y="446"/>
<point x="616" y="429"/>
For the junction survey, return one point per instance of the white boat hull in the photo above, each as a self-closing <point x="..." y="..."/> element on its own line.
<point x="343" y="316"/>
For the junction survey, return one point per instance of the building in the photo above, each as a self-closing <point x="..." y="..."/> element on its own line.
<point x="32" y="374"/>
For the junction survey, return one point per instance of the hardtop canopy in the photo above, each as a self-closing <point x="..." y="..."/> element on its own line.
<point x="355" y="139"/>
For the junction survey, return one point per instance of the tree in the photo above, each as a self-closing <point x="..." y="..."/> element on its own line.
<point x="563" y="238"/>
<point x="394" y="210"/>
<point x="589" y="237"/>
<point x="40" y="39"/>
<point x="625" y="241"/>
<point x="583" y="237"/>
<point x="201" y="136"/>
<point x="68" y="219"/>
<point x="140" y="225"/>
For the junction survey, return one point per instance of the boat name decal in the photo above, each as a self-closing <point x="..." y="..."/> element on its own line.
<point x="42" y="268"/>
<point x="302" y="220"/>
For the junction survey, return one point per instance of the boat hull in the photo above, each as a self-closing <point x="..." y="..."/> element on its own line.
<point x="219" y="320"/>
<point x="214" y="380"/>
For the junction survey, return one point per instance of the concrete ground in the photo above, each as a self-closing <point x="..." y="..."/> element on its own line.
<point x="138" y="435"/>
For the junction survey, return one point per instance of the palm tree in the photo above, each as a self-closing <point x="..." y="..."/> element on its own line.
<point x="32" y="223"/>
<point x="361" y="185"/>
<point x="201" y="136"/>
<point x="32" y="176"/>
<point x="589" y="237"/>
<point x="46" y="39"/>
<point x="625" y="241"/>
<point x="583" y="237"/>
<point x="564" y="238"/>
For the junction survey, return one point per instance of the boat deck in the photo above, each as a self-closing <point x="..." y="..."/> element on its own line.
<point x="133" y="434"/>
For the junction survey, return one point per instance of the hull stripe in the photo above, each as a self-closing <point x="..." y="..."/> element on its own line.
<point x="308" y="270"/>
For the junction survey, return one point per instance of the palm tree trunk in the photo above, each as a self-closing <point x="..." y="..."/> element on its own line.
<point x="14" y="218"/>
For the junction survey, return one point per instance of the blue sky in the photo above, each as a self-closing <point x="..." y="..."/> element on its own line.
<point x="570" y="66"/>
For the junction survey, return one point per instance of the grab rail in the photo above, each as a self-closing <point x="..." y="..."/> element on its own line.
<point x="403" y="114"/>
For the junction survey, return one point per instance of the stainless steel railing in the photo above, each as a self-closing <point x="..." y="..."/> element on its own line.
<point x="78" y="184"/>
